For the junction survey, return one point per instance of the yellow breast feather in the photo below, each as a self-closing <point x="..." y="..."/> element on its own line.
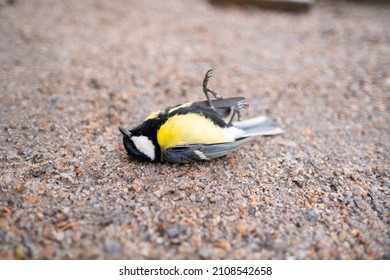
<point x="189" y="129"/>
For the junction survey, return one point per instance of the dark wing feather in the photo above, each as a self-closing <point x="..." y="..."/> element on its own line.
<point x="223" y="106"/>
<point x="199" y="152"/>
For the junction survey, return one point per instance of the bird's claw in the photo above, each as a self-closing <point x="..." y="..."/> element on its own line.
<point x="206" y="90"/>
<point x="237" y="110"/>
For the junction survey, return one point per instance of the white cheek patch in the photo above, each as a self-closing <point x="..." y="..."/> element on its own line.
<point x="144" y="145"/>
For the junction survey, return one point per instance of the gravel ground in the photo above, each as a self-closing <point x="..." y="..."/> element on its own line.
<point x="72" y="73"/>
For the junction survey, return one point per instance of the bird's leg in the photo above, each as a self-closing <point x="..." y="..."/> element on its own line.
<point x="207" y="90"/>
<point x="236" y="111"/>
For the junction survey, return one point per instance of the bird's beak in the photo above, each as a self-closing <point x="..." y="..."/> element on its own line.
<point x="125" y="131"/>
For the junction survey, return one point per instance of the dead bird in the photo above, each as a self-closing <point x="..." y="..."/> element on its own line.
<point x="195" y="131"/>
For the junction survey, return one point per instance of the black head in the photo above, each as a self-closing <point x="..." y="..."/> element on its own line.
<point x="138" y="146"/>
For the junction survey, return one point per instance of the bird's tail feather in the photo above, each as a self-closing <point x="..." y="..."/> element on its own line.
<point x="258" y="126"/>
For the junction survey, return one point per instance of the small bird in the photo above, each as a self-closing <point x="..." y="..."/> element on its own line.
<point x="195" y="131"/>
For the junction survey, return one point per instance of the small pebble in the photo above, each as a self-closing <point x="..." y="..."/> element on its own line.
<point x="312" y="215"/>
<point x="223" y="244"/>
<point x="335" y="183"/>
<point x="200" y="198"/>
<point x="360" y="204"/>
<point x="173" y="232"/>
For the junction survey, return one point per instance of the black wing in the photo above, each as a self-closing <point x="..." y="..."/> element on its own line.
<point x="223" y="106"/>
<point x="199" y="152"/>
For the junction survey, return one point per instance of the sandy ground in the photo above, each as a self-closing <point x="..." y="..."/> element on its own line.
<point x="71" y="73"/>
